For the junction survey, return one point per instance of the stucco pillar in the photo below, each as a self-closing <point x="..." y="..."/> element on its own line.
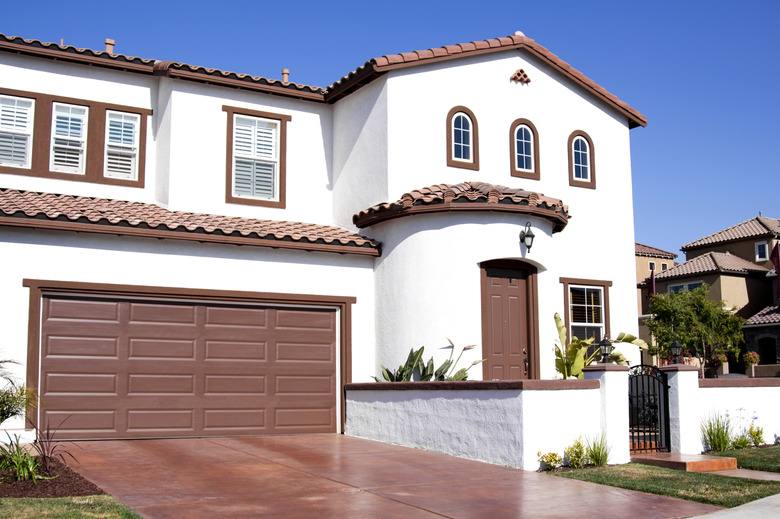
<point x="684" y="416"/>
<point x="613" y="380"/>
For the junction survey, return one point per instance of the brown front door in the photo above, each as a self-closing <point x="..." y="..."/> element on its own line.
<point x="509" y="339"/>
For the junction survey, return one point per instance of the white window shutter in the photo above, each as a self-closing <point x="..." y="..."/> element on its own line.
<point x="68" y="138"/>
<point x="121" y="153"/>
<point x="255" y="157"/>
<point x="16" y="118"/>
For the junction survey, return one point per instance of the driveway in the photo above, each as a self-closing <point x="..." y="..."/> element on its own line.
<point x="340" y="476"/>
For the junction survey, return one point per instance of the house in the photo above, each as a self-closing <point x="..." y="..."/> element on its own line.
<point x="648" y="260"/>
<point x="193" y="252"/>
<point x="740" y="266"/>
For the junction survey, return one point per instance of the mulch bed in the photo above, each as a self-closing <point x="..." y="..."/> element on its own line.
<point x="67" y="483"/>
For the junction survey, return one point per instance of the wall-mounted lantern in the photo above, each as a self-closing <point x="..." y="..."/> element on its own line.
<point x="527" y="236"/>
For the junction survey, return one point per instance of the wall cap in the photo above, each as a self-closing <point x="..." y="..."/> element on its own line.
<point x="739" y="382"/>
<point x="678" y="367"/>
<point x="474" y="385"/>
<point x="605" y="367"/>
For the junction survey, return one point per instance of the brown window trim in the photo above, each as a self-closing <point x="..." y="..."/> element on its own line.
<point x="96" y="140"/>
<point x="586" y="282"/>
<point x="591" y="184"/>
<point x="531" y="175"/>
<point x="474" y="162"/>
<point x="283" y="119"/>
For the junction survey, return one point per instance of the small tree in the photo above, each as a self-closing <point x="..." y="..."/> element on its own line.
<point x="703" y="327"/>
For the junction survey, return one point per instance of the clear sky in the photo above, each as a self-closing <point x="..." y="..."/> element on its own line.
<point x="705" y="73"/>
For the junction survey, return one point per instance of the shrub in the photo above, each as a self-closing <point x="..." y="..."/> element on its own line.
<point x="549" y="461"/>
<point x="14" y="401"/>
<point x="15" y="458"/>
<point x="741" y="441"/>
<point x="716" y="432"/>
<point x="598" y="450"/>
<point x="575" y="455"/>
<point x="756" y="435"/>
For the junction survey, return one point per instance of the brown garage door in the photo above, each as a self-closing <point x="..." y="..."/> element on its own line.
<point x="151" y="369"/>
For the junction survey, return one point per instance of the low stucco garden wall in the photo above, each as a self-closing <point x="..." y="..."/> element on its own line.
<point x="746" y="401"/>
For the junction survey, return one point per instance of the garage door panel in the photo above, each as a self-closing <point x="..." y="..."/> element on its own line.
<point x="156" y="369"/>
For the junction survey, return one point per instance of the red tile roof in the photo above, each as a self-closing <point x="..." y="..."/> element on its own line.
<point x="100" y="215"/>
<point x="723" y="262"/>
<point x="467" y="196"/>
<point x="756" y="227"/>
<point x="769" y="315"/>
<point x="378" y="66"/>
<point x="646" y="250"/>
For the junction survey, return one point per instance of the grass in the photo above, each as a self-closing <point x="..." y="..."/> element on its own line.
<point x="763" y="458"/>
<point x="710" y="489"/>
<point x="65" y="508"/>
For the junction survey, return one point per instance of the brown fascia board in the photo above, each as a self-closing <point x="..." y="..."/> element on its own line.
<point x="146" y="232"/>
<point x="355" y="80"/>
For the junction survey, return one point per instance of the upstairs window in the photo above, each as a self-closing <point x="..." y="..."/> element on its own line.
<point x="762" y="251"/>
<point x="582" y="169"/>
<point x="16" y="125"/>
<point x="462" y="139"/>
<point x="524" y="150"/>
<point x="121" y="151"/>
<point x="651" y="264"/>
<point x="256" y="156"/>
<point x="68" y="138"/>
<point x="664" y="266"/>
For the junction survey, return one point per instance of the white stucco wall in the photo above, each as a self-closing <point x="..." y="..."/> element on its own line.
<point x="167" y="263"/>
<point x="743" y="405"/>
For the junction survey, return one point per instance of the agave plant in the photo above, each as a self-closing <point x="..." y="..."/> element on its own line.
<point x="427" y="371"/>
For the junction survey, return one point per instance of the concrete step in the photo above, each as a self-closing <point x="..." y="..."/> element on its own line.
<point x="686" y="462"/>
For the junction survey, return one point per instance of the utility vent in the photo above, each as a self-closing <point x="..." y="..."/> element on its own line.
<point x="520" y="76"/>
<point x="110" y="45"/>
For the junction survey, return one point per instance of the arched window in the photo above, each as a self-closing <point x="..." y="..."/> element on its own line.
<point x="462" y="139"/>
<point x="582" y="168"/>
<point x="523" y="150"/>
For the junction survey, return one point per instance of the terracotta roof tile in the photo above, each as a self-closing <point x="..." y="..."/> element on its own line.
<point x="753" y="228"/>
<point x="470" y="196"/>
<point x="723" y="262"/>
<point x="646" y="250"/>
<point x="66" y="212"/>
<point x="769" y="315"/>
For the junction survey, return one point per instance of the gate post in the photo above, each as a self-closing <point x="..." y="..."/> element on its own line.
<point x="684" y="432"/>
<point x="613" y="380"/>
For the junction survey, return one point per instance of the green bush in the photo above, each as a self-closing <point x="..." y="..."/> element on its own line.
<point x="716" y="432"/>
<point x="575" y="455"/>
<point x="756" y="435"/>
<point x="598" y="450"/>
<point x="16" y="459"/>
<point x="549" y="461"/>
<point x="741" y="441"/>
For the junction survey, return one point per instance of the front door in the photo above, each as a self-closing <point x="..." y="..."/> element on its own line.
<point x="509" y="316"/>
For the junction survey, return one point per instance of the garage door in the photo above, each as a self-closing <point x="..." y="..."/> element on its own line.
<point x="152" y="369"/>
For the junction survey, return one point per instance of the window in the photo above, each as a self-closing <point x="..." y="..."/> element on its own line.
<point x="664" y="266"/>
<point x="16" y="123"/>
<point x="651" y="264"/>
<point x="256" y="157"/>
<point x="762" y="251"/>
<point x="462" y="139"/>
<point x="582" y="168"/>
<point x="523" y="150"/>
<point x="587" y="307"/>
<point x="684" y="287"/>
<point x="68" y="138"/>
<point x="73" y="139"/>
<point x="121" y="151"/>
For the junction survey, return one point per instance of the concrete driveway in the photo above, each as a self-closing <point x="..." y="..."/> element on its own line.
<point x="340" y="476"/>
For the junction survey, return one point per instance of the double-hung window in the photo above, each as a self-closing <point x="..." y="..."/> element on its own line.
<point x="256" y="157"/>
<point x="16" y="125"/>
<point x="582" y="169"/>
<point x="587" y="307"/>
<point x="68" y="138"/>
<point x="762" y="251"/>
<point x="121" y="150"/>
<point x="523" y="150"/>
<point x="462" y="139"/>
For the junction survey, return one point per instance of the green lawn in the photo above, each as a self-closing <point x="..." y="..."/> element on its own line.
<point x="710" y="489"/>
<point x="65" y="508"/>
<point x="763" y="458"/>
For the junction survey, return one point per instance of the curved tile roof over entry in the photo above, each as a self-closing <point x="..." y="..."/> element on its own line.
<point x="100" y="215"/>
<point x="467" y="196"/>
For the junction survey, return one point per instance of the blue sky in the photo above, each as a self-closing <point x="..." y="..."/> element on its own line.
<point x="705" y="74"/>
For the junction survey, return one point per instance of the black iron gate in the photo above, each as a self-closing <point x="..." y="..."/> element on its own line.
<point x="648" y="409"/>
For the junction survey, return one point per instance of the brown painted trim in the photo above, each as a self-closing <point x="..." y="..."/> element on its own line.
<point x="586" y="282"/>
<point x="38" y="287"/>
<point x="739" y="382"/>
<point x="674" y="368"/>
<point x="605" y="367"/>
<point x="96" y="140"/>
<point x="591" y="184"/>
<point x="242" y="84"/>
<point x="144" y="232"/>
<point x="476" y="385"/>
<point x="283" y="119"/>
<point x="473" y="164"/>
<point x="531" y="175"/>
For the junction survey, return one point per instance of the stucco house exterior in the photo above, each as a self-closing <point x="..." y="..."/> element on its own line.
<point x="193" y="252"/>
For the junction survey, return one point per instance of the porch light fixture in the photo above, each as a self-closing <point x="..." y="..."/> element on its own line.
<point x="605" y="346"/>
<point x="675" y="349"/>
<point x="527" y="236"/>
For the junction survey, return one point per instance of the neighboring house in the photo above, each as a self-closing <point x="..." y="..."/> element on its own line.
<point x="648" y="260"/>
<point x="194" y="252"/>
<point x="737" y="264"/>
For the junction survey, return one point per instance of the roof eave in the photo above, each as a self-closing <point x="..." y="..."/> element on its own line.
<point x="59" y="54"/>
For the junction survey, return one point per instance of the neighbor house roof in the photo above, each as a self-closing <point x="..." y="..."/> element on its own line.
<point x="99" y="215"/>
<point x="756" y="227"/>
<point x="371" y="70"/>
<point x="646" y="250"/>
<point x="769" y="315"/>
<point x="712" y="262"/>
<point x="467" y="196"/>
